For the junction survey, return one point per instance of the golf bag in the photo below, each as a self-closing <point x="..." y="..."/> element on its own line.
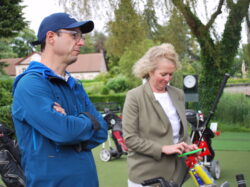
<point x="10" y="166"/>
<point x="115" y="129"/>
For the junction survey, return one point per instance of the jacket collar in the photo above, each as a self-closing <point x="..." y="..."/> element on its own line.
<point x="157" y="106"/>
<point x="175" y="98"/>
<point x="46" y="72"/>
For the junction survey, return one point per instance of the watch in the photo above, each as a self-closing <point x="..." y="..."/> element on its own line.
<point x="189" y="81"/>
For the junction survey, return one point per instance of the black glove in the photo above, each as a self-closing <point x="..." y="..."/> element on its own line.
<point x="96" y="124"/>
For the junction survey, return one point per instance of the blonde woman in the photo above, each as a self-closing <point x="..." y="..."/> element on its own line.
<point x="154" y="121"/>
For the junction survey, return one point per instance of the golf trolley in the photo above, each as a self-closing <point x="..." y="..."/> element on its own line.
<point x="115" y="131"/>
<point x="201" y="134"/>
<point x="196" y="119"/>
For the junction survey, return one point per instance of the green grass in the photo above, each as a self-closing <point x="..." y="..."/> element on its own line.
<point x="231" y="141"/>
<point x="232" y="150"/>
<point x="238" y="81"/>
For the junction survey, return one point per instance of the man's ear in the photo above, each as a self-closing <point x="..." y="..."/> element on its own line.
<point x="50" y="37"/>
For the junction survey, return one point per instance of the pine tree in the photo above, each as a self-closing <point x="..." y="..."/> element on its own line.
<point x="126" y="29"/>
<point x="151" y="25"/>
<point x="11" y="18"/>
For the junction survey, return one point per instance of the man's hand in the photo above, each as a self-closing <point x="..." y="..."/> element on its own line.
<point x="57" y="107"/>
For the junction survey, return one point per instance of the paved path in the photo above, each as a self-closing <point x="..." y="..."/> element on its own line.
<point x="238" y="89"/>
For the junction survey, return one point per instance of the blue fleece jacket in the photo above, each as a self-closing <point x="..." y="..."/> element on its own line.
<point x="47" y="138"/>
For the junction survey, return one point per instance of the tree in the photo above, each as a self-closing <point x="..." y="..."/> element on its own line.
<point x="21" y="44"/>
<point x="11" y="18"/>
<point x="216" y="56"/>
<point x="248" y="26"/>
<point x="217" y="52"/>
<point x="246" y="54"/>
<point x="99" y="41"/>
<point x="6" y="50"/>
<point x="179" y="35"/>
<point x="150" y="19"/>
<point x="89" y="46"/>
<point x="132" y="54"/>
<point x="18" y="46"/>
<point x="126" y="29"/>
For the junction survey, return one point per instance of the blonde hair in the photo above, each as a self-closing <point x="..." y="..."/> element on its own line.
<point x="149" y="61"/>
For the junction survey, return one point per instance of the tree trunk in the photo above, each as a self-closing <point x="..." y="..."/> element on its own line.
<point x="216" y="58"/>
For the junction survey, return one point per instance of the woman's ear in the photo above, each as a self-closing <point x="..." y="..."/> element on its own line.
<point x="150" y="74"/>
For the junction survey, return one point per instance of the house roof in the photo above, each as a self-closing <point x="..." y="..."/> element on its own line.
<point x="11" y="62"/>
<point x="26" y="60"/>
<point x="92" y="62"/>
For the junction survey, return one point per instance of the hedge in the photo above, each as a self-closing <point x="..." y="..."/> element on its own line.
<point x="5" y="116"/>
<point x="112" y="101"/>
<point x="5" y="91"/>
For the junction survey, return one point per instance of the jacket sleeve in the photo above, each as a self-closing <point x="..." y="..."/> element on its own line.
<point x="33" y="105"/>
<point x="101" y="134"/>
<point x="131" y="130"/>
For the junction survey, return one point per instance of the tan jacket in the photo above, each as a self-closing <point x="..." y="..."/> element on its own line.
<point x="146" y="128"/>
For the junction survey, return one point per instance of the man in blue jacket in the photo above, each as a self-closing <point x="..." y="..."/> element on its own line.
<point x="56" y="124"/>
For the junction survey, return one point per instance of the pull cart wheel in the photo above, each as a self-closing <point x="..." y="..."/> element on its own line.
<point x="105" y="155"/>
<point x="215" y="169"/>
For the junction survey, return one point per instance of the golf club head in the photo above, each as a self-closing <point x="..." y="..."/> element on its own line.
<point x="224" y="184"/>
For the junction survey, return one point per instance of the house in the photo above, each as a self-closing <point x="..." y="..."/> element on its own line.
<point x="10" y="69"/>
<point x="87" y="66"/>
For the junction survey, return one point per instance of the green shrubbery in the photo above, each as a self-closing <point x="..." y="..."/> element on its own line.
<point x="5" y="91"/>
<point x="5" y="101"/>
<point x="5" y="116"/>
<point x="119" y="84"/>
<point x="238" y="81"/>
<point x="234" y="110"/>
<point x="111" y="98"/>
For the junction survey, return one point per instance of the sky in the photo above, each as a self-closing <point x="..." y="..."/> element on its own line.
<point x="36" y="10"/>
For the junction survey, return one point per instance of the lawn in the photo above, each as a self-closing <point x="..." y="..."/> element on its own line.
<point x="232" y="150"/>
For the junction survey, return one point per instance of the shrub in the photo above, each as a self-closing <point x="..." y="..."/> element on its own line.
<point x="6" y="91"/>
<point x="105" y="90"/>
<point x="118" y="84"/>
<point x="93" y="87"/>
<point x="234" y="109"/>
<point x="238" y="81"/>
<point x="5" y="116"/>
<point x="117" y="98"/>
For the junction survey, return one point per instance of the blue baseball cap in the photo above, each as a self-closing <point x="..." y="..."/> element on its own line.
<point x="57" y="21"/>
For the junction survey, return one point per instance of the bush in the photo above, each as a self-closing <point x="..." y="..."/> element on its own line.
<point x="105" y="90"/>
<point x="238" y="81"/>
<point x="234" y="109"/>
<point x="119" y="84"/>
<point x="93" y="87"/>
<point x="102" y="77"/>
<point x="5" y="116"/>
<point x="5" y="91"/>
<point x="111" y="98"/>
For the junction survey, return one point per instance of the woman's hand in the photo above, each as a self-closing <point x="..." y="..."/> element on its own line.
<point x="57" y="107"/>
<point x="178" y="148"/>
<point x="191" y="148"/>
